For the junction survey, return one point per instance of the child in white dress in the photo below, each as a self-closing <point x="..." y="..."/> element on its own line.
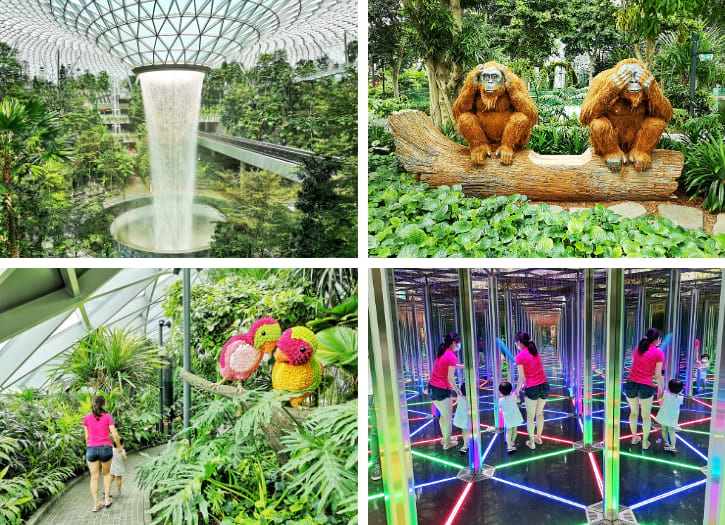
<point x="511" y="414"/>
<point x="461" y="419"/>
<point x="669" y="413"/>
<point x="117" y="468"/>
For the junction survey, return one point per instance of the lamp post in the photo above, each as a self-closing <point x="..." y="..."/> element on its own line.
<point x="162" y="354"/>
<point x="696" y="55"/>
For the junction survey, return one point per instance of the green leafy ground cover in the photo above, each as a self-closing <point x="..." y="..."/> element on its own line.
<point x="408" y="219"/>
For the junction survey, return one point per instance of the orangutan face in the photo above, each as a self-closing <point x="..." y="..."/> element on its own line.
<point x="632" y="75"/>
<point x="491" y="79"/>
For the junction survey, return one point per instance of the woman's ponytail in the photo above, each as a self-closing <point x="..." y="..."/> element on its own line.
<point x="99" y="403"/>
<point x="650" y="337"/>
<point x="525" y="339"/>
<point x="450" y="338"/>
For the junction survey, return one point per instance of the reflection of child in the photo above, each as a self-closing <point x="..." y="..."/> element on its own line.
<point x="117" y="468"/>
<point x="461" y="419"/>
<point x="669" y="413"/>
<point x="701" y="365"/>
<point x="511" y="414"/>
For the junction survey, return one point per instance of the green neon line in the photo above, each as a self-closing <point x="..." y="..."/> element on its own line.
<point x="694" y="431"/>
<point x="657" y="460"/>
<point x="370" y="464"/>
<point x="420" y="403"/>
<point x="442" y="461"/>
<point x="535" y="458"/>
<point x="376" y="496"/>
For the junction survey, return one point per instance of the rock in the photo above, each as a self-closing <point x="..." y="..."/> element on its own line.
<point x="719" y="224"/>
<point x="688" y="218"/>
<point x="630" y="210"/>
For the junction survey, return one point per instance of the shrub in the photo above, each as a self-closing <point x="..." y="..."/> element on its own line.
<point x="568" y="138"/>
<point x="407" y="219"/>
<point x="704" y="172"/>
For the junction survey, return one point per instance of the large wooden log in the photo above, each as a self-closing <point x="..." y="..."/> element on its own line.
<point x="436" y="160"/>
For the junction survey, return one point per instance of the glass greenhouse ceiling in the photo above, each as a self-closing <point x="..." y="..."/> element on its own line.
<point x="44" y="311"/>
<point x="120" y="35"/>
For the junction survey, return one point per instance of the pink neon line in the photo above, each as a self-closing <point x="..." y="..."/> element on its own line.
<point x="459" y="503"/>
<point x="414" y="419"/>
<point x="695" y="421"/>
<point x="595" y="468"/>
<point x="547" y="437"/>
<point x="701" y="402"/>
<point x="433" y="440"/>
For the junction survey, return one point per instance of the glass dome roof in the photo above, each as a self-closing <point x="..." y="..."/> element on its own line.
<point x="120" y="35"/>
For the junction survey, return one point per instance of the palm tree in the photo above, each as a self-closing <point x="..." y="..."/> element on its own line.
<point x="29" y="138"/>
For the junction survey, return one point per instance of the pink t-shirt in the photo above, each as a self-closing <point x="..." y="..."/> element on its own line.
<point x="643" y="365"/>
<point x="533" y="367"/>
<point x="439" y="376"/>
<point x="98" y="432"/>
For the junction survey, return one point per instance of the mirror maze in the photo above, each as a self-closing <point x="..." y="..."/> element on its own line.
<point x="589" y="467"/>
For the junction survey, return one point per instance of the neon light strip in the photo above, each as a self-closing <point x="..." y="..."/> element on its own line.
<point x="666" y="494"/>
<point x="695" y="421"/>
<point x="433" y="440"/>
<point x="535" y="458"/>
<point x="701" y="402"/>
<point x="436" y="460"/>
<point x="548" y="437"/>
<point x="422" y="427"/>
<point x="657" y="460"/>
<point x="703" y="456"/>
<point x="435" y="482"/>
<point x="597" y="474"/>
<point x="541" y="493"/>
<point x="488" y="448"/>
<point x="414" y="419"/>
<point x="694" y="431"/>
<point x="418" y="412"/>
<point x="376" y="496"/>
<point x="455" y="510"/>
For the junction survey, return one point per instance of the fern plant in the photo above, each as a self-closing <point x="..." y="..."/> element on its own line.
<point x="704" y="172"/>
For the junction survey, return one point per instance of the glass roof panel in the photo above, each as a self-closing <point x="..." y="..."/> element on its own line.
<point x="120" y="35"/>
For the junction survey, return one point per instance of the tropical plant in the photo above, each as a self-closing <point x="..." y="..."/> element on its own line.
<point x="332" y="285"/>
<point x="29" y="138"/>
<point x="108" y="358"/>
<point x="704" y="172"/>
<point x="559" y="139"/>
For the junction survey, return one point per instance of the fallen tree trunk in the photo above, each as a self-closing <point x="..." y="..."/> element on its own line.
<point x="438" y="161"/>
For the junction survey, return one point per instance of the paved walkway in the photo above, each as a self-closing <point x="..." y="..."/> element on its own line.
<point x="74" y="506"/>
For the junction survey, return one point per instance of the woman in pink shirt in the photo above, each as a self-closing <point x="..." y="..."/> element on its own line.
<point x="442" y="381"/>
<point x="531" y="373"/>
<point x="647" y="361"/>
<point x="98" y="425"/>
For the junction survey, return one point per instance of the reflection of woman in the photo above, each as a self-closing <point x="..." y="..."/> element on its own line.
<point x="647" y="360"/>
<point x="98" y="426"/>
<point x="531" y="373"/>
<point x="442" y="381"/>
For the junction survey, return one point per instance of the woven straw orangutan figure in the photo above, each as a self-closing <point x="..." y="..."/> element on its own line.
<point x="494" y="113"/>
<point x="626" y="113"/>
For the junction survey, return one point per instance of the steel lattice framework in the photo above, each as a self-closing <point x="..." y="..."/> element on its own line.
<point x="120" y="35"/>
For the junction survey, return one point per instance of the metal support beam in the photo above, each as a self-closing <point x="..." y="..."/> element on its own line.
<point x="391" y="409"/>
<point x="690" y="351"/>
<point x="587" y="351"/>
<point x="672" y="353"/>
<point x="187" y="343"/>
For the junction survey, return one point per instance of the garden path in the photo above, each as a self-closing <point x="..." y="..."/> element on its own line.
<point x="73" y="507"/>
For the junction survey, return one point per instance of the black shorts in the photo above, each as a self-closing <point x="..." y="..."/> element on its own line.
<point x="632" y="389"/>
<point x="103" y="453"/>
<point x="537" y="392"/>
<point x="439" y="394"/>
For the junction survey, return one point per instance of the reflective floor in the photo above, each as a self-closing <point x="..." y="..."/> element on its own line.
<point x="554" y="483"/>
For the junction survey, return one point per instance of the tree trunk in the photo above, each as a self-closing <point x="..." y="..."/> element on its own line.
<point x="591" y="68"/>
<point x="9" y="210"/>
<point x="437" y="161"/>
<point x="649" y="52"/>
<point x="397" y="63"/>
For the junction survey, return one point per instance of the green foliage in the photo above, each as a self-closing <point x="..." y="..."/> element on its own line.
<point x="567" y="138"/>
<point x="108" y="358"/>
<point x="407" y="219"/>
<point x="704" y="172"/>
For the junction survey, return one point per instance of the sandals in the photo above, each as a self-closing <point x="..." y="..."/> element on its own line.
<point x="452" y="443"/>
<point x="98" y="507"/>
<point x="537" y="440"/>
<point x="109" y="503"/>
<point x="511" y="449"/>
<point x="636" y="439"/>
<point x="463" y="450"/>
<point x="531" y="445"/>
<point x="647" y="443"/>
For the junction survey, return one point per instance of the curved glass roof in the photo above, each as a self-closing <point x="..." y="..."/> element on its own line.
<point x="120" y="35"/>
<point x="44" y="311"/>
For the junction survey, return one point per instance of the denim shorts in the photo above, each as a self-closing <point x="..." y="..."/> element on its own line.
<point x="439" y="394"/>
<point x="537" y="392"/>
<point x="103" y="453"/>
<point x="632" y="389"/>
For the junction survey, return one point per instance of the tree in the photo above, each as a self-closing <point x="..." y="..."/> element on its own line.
<point x="11" y="72"/>
<point x="439" y="26"/>
<point x="647" y="19"/>
<point x="387" y="37"/>
<point x="593" y="32"/>
<point x="29" y="138"/>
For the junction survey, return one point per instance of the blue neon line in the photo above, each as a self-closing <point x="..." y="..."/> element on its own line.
<point x="666" y="494"/>
<point x="703" y="456"/>
<point x="434" y="482"/>
<point x="488" y="448"/>
<point x="411" y="397"/>
<point x="542" y="493"/>
<point x="419" y="412"/>
<point x="421" y="427"/>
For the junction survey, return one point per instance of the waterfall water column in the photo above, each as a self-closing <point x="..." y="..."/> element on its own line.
<point x="171" y="100"/>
